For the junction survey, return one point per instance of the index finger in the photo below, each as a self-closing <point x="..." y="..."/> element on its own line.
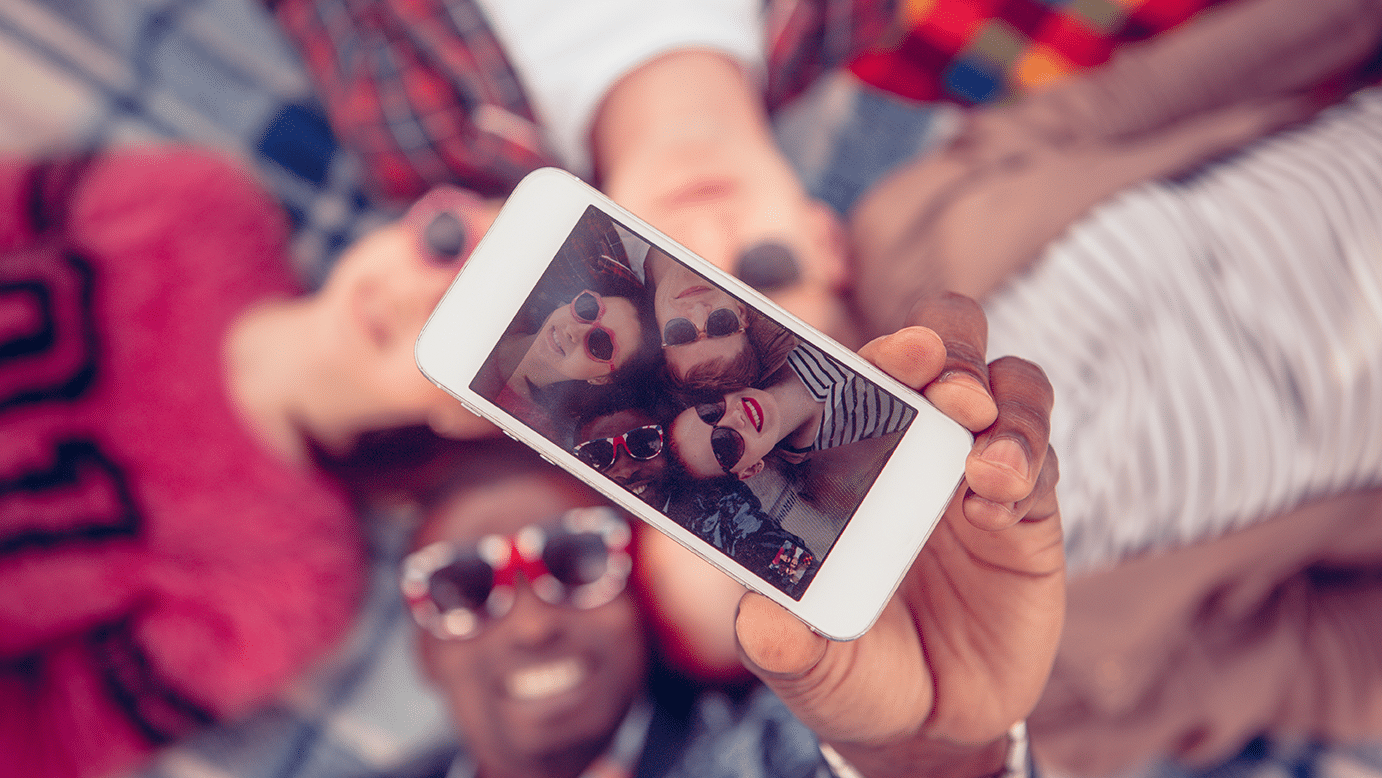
<point x="961" y="390"/>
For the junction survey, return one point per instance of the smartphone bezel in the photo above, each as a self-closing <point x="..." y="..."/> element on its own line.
<point x="887" y="531"/>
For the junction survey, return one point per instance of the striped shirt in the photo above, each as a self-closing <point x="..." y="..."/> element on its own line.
<point x="1215" y="342"/>
<point x="855" y="408"/>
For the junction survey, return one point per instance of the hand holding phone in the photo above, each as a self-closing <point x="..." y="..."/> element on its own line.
<point x="986" y="594"/>
<point x="691" y="400"/>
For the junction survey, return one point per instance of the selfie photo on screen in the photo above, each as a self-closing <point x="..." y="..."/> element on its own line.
<point x="693" y="401"/>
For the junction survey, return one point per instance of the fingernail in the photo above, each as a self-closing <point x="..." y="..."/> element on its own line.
<point x="958" y="377"/>
<point x="768" y="265"/>
<point x="1008" y="453"/>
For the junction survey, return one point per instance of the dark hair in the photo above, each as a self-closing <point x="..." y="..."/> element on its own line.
<point x="676" y="465"/>
<point x="646" y="397"/>
<point x="399" y="464"/>
<point x="767" y="346"/>
<point x="627" y="386"/>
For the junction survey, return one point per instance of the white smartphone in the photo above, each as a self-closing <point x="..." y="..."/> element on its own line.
<point x="695" y="403"/>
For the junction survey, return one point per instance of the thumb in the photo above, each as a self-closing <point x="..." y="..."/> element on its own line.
<point x="871" y="689"/>
<point x="773" y="643"/>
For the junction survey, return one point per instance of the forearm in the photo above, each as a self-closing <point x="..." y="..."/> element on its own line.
<point x="1238" y="52"/>
<point x="567" y="78"/>
<point x="927" y="759"/>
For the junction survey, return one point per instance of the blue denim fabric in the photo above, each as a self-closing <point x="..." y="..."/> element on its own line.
<point x="843" y="136"/>
<point x="757" y="738"/>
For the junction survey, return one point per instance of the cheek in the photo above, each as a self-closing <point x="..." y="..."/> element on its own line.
<point x="399" y="376"/>
<point x="755" y="449"/>
<point x="619" y="632"/>
<point x="452" y="668"/>
<point x="579" y="367"/>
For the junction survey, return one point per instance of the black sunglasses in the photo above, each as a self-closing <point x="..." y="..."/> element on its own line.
<point x="641" y="443"/>
<point x="721" y="323"/>
<point x="438" y="221"/>
<point x="727" y="444"/>
<point x="599" y="341"/>
<point x="580" y="559"/>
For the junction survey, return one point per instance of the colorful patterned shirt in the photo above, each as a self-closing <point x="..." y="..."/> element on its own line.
<point x="425" y="93"/>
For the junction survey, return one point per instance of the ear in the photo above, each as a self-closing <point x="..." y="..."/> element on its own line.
<point x="752" y="470"/>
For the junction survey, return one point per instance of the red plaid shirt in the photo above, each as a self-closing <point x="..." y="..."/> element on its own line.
<point x="422" y="90"/>
<point x="976" y="51"/>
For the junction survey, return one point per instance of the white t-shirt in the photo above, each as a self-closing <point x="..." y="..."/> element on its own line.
<point x="569" y="54"/>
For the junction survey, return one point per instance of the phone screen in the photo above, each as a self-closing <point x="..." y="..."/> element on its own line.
<point x="694" y="401"/>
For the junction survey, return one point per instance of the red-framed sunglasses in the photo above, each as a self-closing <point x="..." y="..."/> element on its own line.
<point x="578" y="559"/>
<point x="641" y="443"/>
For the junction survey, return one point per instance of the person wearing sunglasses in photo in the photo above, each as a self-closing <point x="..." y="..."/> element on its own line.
<point x="811" y="403"/>
<point x="626" y="444"/>
<point x="710" y="340"/>
<point x="585" y="329"/>
<point x="544" y="659"/>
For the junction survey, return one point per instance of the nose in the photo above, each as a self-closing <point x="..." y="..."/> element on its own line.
<point x="699" y="313"/>
<point x="575" y="331"/>
<point x="736" y="415"/>
<point x="531" y="622"/>
<point x="623" y="463"/>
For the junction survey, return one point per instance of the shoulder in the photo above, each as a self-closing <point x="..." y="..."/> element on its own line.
<point x="817" y="369"/>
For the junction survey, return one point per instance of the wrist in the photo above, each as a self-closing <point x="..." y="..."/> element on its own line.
<point x="1007" y="757"/>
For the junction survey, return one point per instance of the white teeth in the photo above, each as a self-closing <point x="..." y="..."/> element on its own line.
<point x="639" y="490"/>
<point x="546" y="680"/>
<point x="751" y="410"/>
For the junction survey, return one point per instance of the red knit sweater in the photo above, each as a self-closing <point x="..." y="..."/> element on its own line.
<point x="159" y="568"/>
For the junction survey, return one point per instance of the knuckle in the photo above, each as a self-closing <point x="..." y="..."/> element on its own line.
<point x="1023" y="381"/>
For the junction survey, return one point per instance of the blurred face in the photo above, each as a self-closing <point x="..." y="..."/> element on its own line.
<point x="732" y="435"/>
<point x="544" y="685"/>
<point x="682" y="294"/>
<point x="380" y="293"/>
<point x="643" y="477"/>
<point x="585" y="340"/>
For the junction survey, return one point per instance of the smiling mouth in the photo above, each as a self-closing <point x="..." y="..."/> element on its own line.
<point x="556" y="344"/>
<point x="546" y="680"/>
<point x="753" y="412"/>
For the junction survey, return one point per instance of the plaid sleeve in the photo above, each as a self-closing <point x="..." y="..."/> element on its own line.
<point x="218" y="74"/>
<point x="420" y="89"/>
<point x="807" y="38"/>
<point x="978" y="51"/>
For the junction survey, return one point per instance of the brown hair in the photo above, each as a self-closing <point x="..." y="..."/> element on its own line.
<point x="768" y="344"/>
